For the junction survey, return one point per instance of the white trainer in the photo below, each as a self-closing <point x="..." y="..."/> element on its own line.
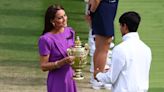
<point x="97" y="85"/>
<point x="92" y="80"/>
<point x="108" y="86"/>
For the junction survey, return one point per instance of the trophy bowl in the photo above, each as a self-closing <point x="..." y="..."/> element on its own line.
<point x="80" y="52"/>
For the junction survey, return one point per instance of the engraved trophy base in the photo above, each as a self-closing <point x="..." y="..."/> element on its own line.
<point x="78" y="75"/>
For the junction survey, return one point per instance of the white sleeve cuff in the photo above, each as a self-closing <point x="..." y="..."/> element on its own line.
<point x="99" y="76"/>
<point x="103" y="77"/>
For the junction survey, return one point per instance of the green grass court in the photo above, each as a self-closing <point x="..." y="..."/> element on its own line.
<point x="21" y="23"/>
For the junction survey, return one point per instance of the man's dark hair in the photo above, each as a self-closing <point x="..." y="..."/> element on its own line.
<point x="131" y="19"/>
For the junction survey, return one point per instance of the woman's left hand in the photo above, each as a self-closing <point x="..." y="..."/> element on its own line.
<point x="70" y="59"/>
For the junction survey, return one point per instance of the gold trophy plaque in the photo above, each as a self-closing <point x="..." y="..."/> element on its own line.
<point x="80" y="52"/>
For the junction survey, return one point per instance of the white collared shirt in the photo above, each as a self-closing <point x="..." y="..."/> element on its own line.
<point x="130" y="66"/>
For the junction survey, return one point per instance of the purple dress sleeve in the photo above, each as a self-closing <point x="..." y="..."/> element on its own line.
<point x="44" y="46"/>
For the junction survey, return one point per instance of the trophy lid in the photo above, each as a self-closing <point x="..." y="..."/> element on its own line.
<point x="77" y="42"/>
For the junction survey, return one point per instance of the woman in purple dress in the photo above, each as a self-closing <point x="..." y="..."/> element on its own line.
<point x="53" y="44"/>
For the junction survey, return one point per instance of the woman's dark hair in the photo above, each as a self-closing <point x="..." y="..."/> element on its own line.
<point x="50" y="15"/>
<point x="131" y="19"/>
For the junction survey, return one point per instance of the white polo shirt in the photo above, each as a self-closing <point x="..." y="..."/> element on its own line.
<point x="130" y="66"/>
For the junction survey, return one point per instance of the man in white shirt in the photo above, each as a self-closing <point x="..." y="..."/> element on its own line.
<point x="131" y="59"/>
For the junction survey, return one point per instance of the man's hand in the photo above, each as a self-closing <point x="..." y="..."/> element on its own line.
<point x="107" y="68"/>
<point x="88" y="19"/>
<point x="94" y="4"/>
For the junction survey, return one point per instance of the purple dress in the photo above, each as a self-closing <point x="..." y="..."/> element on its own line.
<point x="59" y="80"/>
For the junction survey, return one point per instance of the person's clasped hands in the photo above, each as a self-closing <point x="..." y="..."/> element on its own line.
<point x="69" y="59"/>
